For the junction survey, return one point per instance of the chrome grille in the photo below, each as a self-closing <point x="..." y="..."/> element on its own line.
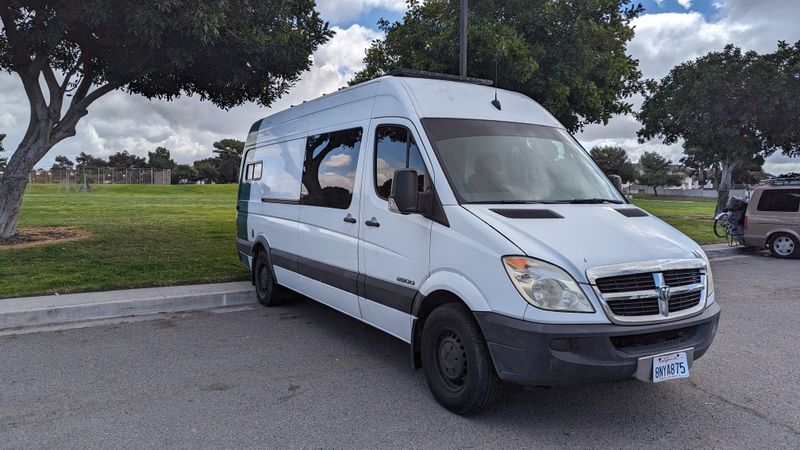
<point x="630" y="292"/>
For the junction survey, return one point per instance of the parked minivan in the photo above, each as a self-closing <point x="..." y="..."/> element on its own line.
<point x="772" y="219"/>
<point x="467" y="222"/>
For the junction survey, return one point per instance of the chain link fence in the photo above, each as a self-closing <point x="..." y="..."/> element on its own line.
<point x="101" y="175"/>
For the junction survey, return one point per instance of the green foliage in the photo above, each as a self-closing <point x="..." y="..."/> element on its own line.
<point x="656" y="171"/>
<point x="183" y="173"/>
<point x="207" y="169"/>
<point x="727" y="107"/>
<point x="62" y="162"/>
<point x="227" y="52"/>
<point x="126" y="160"/>
<point x="86" y="161"/>
<point x="229" y="158"/>
<point x="569" y="56"/>
<point x="160" y="159"/>
<point x="613" y="160"/>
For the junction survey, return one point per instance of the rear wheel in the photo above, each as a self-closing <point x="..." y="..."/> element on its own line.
<point x="784" y="245"/>
<point x="721" y="226"/>
<point x="456" y="360"/>
<point x="267" y="291"/>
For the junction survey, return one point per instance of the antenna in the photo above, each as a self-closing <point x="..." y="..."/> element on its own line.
<point x="496" y="102"/>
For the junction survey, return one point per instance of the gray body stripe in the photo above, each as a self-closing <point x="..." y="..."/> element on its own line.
<point x="383" y="292"/>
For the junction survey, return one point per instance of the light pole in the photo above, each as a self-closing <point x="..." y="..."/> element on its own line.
<point x="462" y="55"/>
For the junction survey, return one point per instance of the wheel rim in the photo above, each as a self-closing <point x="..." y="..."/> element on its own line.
<point x="262" y="280"/>
<point x="451" y="360"/>
<point x="783" y="246"/>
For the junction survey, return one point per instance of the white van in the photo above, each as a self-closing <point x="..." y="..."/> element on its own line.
<point x="478" y="231"/>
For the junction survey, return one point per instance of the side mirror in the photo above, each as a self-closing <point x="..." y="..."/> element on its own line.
<point x="617" y="181"/>
<point x="404" y="197"/>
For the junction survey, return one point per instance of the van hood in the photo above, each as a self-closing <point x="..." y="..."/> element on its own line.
<point x="589" y="236"/>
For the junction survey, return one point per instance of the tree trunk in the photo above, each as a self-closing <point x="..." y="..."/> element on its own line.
<point x="655" y="191"/>
<point x="12" y="185"/>
<point x="725" y="184"/>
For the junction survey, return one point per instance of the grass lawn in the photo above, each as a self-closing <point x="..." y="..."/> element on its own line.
<point x="167" y="235"/>
<point x="694" y="217"/>
<point x="140" y="236"/>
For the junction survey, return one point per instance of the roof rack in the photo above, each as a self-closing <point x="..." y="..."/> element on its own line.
<point x="412" y="73"/>
<point x="791" y="180"/>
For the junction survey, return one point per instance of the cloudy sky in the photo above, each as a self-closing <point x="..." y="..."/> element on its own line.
<point x="670" y="31"/>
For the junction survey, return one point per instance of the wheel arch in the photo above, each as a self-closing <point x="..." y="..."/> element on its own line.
<point x="261" y="245"/>
<point x="439" y="289"/>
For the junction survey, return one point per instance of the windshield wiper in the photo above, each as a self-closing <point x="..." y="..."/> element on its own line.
<point x="592" y="200"/>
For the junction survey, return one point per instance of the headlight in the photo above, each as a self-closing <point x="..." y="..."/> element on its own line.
<point x="709" y="277"/>
<point x="546" y="286"/>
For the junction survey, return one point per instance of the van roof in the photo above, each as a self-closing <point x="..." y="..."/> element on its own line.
<point x="403" y="96"/>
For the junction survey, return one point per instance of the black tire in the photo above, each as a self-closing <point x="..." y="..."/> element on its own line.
<point x="456" y="360"/>
<point x="721" y="226"/>
<point x="267" y="290"/>
<point x="784" y="245"/>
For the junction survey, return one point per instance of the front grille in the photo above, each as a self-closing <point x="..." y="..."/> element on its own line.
<point x="655" y="341"/>
<point x="626" y="283"/>
<point x="685" y="300"/>
<point x="649" y="306"/>
<point x="682" y="277"/>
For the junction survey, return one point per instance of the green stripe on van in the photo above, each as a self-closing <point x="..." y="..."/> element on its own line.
<point x="242" y="200"/>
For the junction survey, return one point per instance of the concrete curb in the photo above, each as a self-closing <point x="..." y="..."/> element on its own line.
<point x="59" y="309"/>
<point x="716" y="251"/>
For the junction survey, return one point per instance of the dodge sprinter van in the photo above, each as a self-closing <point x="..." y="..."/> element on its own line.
<point x="467" y="222"/>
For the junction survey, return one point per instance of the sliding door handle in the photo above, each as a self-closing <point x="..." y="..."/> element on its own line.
<point x="350" y="219"/>
<point x="372" y="222"/>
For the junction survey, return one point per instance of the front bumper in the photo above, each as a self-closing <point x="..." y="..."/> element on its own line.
<point x="542" y="354"/>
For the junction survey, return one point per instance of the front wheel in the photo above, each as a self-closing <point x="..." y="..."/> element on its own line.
<point x="784" y="245"/>
<point x="721" y="224"/>
<point x="267" y="290"/>
<point x="456" y="360"/>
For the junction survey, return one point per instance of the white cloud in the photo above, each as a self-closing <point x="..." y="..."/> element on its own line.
<point x="343" y="11"/>
<point x="340" y="160"/>
<point x="186" y="126"/>
<point x="685" y="3"/>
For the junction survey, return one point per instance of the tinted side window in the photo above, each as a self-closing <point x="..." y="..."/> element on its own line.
<point x="783" y="200"/>
<point x="395" y="148"/>
<point x="329" y="171"/>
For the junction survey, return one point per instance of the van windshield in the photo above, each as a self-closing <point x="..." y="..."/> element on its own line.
<point x="504" y="162"/>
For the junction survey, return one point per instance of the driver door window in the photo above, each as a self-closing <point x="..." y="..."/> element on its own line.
<point x="395" y="148"/>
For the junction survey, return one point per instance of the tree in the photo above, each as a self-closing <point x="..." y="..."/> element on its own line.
<point x="613" y="160"/>
<point x="656" y="172"/>
<point x="229" y="158"/>
<point x="69" y="54"/>
<point x="160" y="159"/>
<point x="3" y="161"/>
<point x="722" y="106"/>
<point x="183" y="173"/>
<point x="62" y="163"/>
<point x="88" y="161"/>
<point x="569" y="56"/>
<point x="125" y="160"/>
<point x="207" y="169"/>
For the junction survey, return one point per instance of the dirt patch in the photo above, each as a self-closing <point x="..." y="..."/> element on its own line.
<point x="34" y="236"/>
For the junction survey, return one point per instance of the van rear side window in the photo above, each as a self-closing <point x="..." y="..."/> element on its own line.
<point x="780" y="200"/>
<point x="329" y="170"/>
<point x="254" y="171"/>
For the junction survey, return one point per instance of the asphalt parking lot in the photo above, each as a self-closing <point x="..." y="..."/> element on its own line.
<point x="303" y="375"/>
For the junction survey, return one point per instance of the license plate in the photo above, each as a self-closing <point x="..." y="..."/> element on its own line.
<point x="669" y="367"/>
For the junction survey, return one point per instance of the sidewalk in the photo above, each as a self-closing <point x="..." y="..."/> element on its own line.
<point x="59" y="309"/>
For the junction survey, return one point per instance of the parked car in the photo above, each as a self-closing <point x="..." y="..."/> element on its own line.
<point x="467" y="222"/>
<point x="773" y="217"/>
